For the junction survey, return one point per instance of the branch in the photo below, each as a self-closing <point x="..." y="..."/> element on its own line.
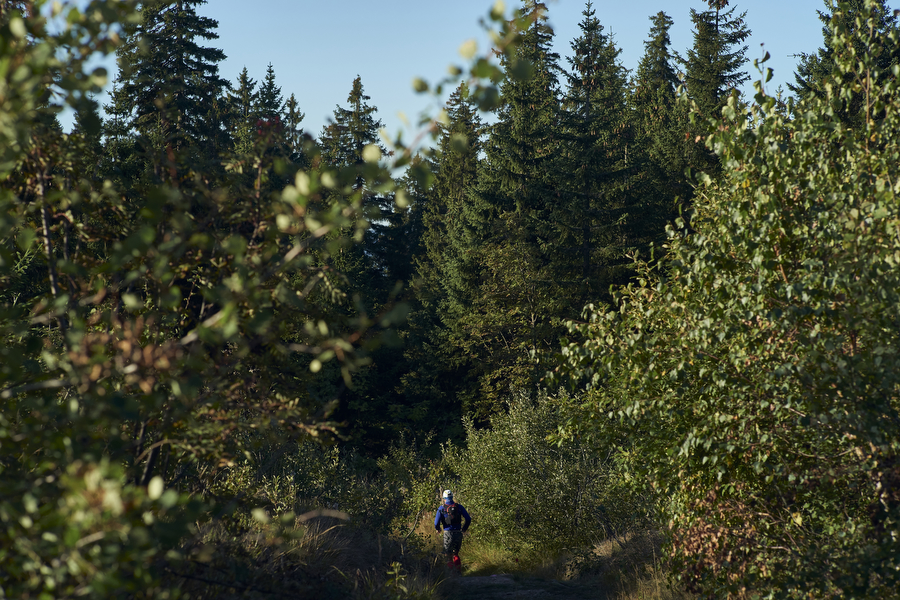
<point x="51" y="384"/>
<point x="156" y="445"/>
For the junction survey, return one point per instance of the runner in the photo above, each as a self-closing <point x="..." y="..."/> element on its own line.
<point x="454" y="520"/>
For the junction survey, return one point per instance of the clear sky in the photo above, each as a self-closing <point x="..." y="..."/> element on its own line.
<point x="318" y="47"/>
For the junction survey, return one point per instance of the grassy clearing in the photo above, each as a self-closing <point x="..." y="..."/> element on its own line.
<point x="630" y="568"/>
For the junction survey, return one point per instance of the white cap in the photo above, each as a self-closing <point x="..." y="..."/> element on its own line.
<point x="448" y="494"/>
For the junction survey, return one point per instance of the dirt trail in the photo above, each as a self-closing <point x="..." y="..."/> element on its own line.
<point x="507" y="587"/>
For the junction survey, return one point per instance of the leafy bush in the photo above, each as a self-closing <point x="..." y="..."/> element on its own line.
<point x="758" y="367"/>
<point x="539" y="497"/>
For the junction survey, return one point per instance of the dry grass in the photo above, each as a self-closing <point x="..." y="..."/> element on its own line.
<point x="630" y="568"/>
<point x="326" y="558"/>
<point x="322" y="558"/>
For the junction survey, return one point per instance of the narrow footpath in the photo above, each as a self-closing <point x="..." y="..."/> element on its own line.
<point x="507" y="587"/>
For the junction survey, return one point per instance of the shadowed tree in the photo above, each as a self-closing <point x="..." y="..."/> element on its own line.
<point x="662" y="138"/>
<point x="600" y="218"/>
<point x="269" y="103"/>
<point x="512" y="228"/>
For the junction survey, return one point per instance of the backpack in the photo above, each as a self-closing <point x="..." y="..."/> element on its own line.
<point x="450" y="515"/>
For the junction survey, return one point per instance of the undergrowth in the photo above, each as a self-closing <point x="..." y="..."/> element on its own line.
<point x="315" y="556"/>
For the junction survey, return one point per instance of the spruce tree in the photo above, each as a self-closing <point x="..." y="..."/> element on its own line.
<point x="598" y="222"/>
<point x="814" y="70"/>
<point x="88" y="130"/>
<point x="342" y="143"/>
<point x="377" y="269"/>
<point x="713" y="70"/>
<point x="243" y="113"/>
<point x="269" y="103"/>
<point x="245" y="96"/>
<point x="170" y="78"/>
<point x="447" y="283"/>
<point x="447" y="265"/>
<point x="120" y="163"/>
<point x="513" y="231"/>
<point x="350" y="131"/>
<point x="714" y="64"/>
<point x="654" y="99"/>
<point x="661" y="123"/>
<point x="293" y="132"/>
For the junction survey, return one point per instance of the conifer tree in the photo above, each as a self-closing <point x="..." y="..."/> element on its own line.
<point x="661" y="123"/>
<point x="342" y="143"/>
<point x="513" y="232"/>
<point x="352" y="129"/>
<point x="293" y="132"/>
<point x="269" y="103"/>
<point x="440" y="351"/>
<point x="599" y="219"/>
<point x="713" y="69"/>
<point x="242" y="115"/>
<point x="120" y="163"/>
<point x="654" y="98"/>
<point x="170" y="78"/>
<point x="447" y="266"/>
<point x="88" y="130"/>
<point x="245" y="96"/>
<point x="815" y="69"/>
<point x="714" y="64"/>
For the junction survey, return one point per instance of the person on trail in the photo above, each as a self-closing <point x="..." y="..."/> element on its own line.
<point x="454" y="520"/>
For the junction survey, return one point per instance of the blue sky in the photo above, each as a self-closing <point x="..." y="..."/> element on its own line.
<point x="317" y="48"/>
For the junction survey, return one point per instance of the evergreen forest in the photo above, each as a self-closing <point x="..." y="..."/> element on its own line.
<point x="645" y="326"/>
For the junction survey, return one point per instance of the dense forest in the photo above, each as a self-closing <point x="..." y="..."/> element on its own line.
<point x="240" y="359"/>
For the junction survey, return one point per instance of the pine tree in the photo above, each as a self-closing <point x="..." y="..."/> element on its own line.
<point x="814" y="70"/>
<point x="170" y="79"/>
<point x="713" y="67"/>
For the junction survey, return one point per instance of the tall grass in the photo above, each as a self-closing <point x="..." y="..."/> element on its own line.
<point x="318" y="557"/>
<point x="630" y="567"/>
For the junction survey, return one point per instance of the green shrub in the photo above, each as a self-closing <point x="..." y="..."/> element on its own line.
<point x="757" y="369"/>
<point x="540" y="497"/>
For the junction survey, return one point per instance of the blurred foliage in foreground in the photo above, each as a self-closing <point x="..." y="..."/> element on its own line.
<point x="166" y="309"/>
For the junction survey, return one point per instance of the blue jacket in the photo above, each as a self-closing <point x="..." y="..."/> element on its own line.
<point x="439" y="519"/>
